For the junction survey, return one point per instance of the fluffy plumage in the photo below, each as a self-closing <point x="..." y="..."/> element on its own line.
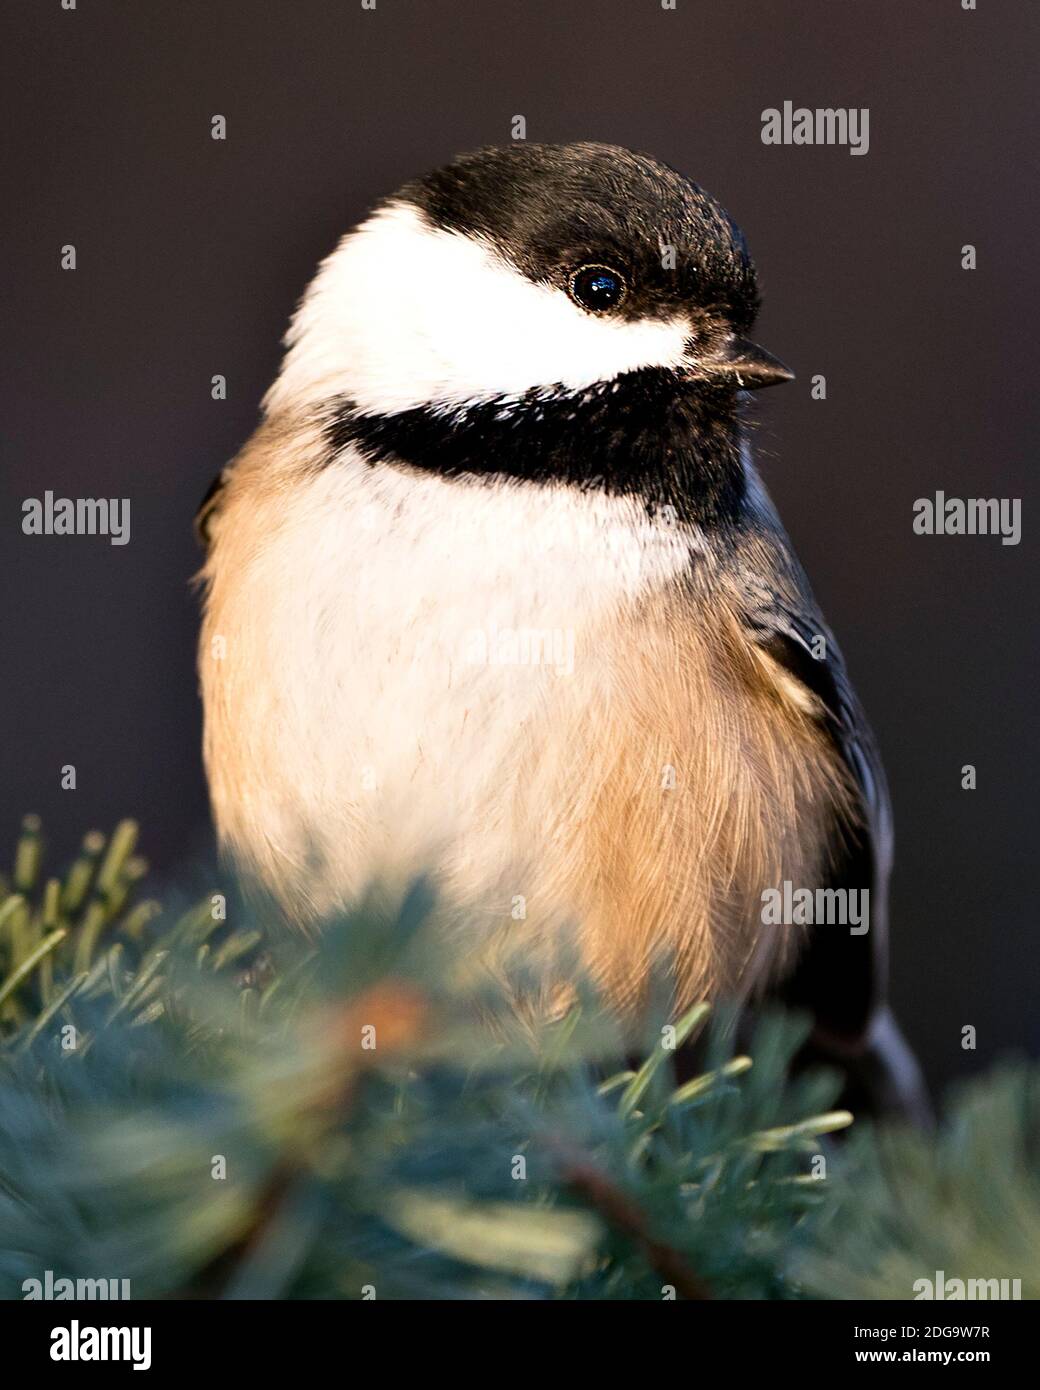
<point x="495" y="588"/>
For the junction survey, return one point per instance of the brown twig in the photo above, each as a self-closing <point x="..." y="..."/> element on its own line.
<point x="619" y="1211"/>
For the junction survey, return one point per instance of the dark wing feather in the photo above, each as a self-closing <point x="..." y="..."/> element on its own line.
<point x="841" y="979"/>
<point x="209" y="507"/>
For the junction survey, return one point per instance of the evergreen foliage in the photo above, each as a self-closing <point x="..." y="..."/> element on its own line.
<point x="214" y="1109"/>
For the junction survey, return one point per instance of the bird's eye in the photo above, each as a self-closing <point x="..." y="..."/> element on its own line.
<point x="597" y="288"/>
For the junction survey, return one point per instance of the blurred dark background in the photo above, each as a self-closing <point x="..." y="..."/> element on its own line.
<point x="192" y="252"/>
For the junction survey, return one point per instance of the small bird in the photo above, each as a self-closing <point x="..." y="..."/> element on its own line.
<point x="495" y="591"/>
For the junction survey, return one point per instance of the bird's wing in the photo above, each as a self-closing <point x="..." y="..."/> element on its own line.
<point x="209" y="507"/>
<point x="841" y="978"/>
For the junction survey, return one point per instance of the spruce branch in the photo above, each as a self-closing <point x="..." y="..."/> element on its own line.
<point x="241" y="1113"/>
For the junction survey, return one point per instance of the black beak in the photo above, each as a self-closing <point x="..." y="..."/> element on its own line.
<point x="748" y="366"/>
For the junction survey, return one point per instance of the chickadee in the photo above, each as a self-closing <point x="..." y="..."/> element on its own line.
<point x="496" y="589"/>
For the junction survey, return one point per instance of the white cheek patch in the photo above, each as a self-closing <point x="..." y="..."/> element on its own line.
<point x="403" y="314"/>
